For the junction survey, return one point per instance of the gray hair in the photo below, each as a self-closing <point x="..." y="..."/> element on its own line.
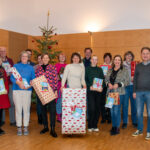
<point x="22" y="53"/>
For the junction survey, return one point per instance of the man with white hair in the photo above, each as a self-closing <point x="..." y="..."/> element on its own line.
<point x="7" y="63"/>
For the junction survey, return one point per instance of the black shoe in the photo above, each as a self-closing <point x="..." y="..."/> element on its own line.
<point x="44" y="130"/>
<point x="13" y="124"/>
<point x="103" y="121"/>
<point x="53" y="133"/>
<point x="112" y="129"/>
<point x="2" y="123"/>
<point x="115" y="131"/>
<point x="2" y="132"/>
<point x="124" y="126"/>
<point x="134" y="125"/>
<point x="109" y="121"/>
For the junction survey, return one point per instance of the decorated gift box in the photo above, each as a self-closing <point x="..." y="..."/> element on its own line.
<point x="16" y="74"/>
<point x="73" y="111"/>
<point x="43" y="90"/>
<point x="105" y="68"/>
<point x="2" y="87"/>
<point x="97" y="83"/>
<point x="18" y="77"/>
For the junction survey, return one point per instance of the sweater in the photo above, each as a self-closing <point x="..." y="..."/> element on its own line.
<point x="26" y="71"/>
<point x="91" y="73"/>
<point x="50" y="73"/>
<point x="141" y="78"/>
<point x="74" y="74"/>
<point x="87" y="62"/>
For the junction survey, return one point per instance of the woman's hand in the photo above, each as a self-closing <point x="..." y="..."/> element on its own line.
<point x="115" y="86"/>
<point x="84" y="86"/>
<point x="134" y="95"/>
<point x="56" y="93"/>
<point x="99" y="90"/>
<point x="31" y="83"/>
<point x="110" y="86"/>
<point x="20" y="84"/>
<point x="91" y="88"/>
<point x="132" y="78"/>
<point x="61" y="89"/>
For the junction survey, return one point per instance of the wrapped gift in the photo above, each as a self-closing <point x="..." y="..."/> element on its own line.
<point x="97" y="83"/>
<point x="112" y="99"/>
<point x="2" y="87"/>
<point x="7" y="67"/>
<point x="133" y="65"/>
<point x="16" y="74"/>
<point x="73" y="111"/>
<point x="43" y="90"/>
<point x="105" y="68"/>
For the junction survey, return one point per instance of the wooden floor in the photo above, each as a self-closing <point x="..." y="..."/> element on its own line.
<point x="92" y="141"/>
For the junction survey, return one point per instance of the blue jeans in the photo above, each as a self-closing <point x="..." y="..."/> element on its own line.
<point x="125" y="105"/>
<point x="141" y="98"/>
<point x="116" y="113"/>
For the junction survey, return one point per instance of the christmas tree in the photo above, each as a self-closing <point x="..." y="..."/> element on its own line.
<point x="46" y="44"/>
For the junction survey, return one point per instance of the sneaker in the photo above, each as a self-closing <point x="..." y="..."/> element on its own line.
<point x="96" y="130"/>
<point x="90" y="129"/>
<point x="138" y="132"/>
<point x="19" y="131"/>
<point x="147" y="136"/>
<point x="25" y="131"/>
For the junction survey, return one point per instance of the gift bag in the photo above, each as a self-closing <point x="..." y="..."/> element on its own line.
<point x="112" y="99"/>
<point x="74" y="111"/>
<point x="43" y="90"/>
<point x="133" y="65"/>
<point x="2" y="87"/>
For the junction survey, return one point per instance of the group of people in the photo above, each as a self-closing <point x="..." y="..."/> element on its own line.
<point x="80" y="73"/>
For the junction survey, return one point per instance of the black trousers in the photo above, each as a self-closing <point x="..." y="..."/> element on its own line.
<point x="94" y="99"/>
<point x="1" y="114"/>
<point x="51" y="108"/>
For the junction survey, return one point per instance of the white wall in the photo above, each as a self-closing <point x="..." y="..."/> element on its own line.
<point x="74" y="16"/>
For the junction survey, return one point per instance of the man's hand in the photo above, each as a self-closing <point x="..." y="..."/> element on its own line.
<point x="134" y="95"/>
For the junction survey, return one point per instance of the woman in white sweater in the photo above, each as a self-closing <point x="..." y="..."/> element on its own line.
<point x="74" y="73"/>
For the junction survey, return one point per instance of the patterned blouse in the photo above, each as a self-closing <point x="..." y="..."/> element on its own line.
<point x="50" y="73"/>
